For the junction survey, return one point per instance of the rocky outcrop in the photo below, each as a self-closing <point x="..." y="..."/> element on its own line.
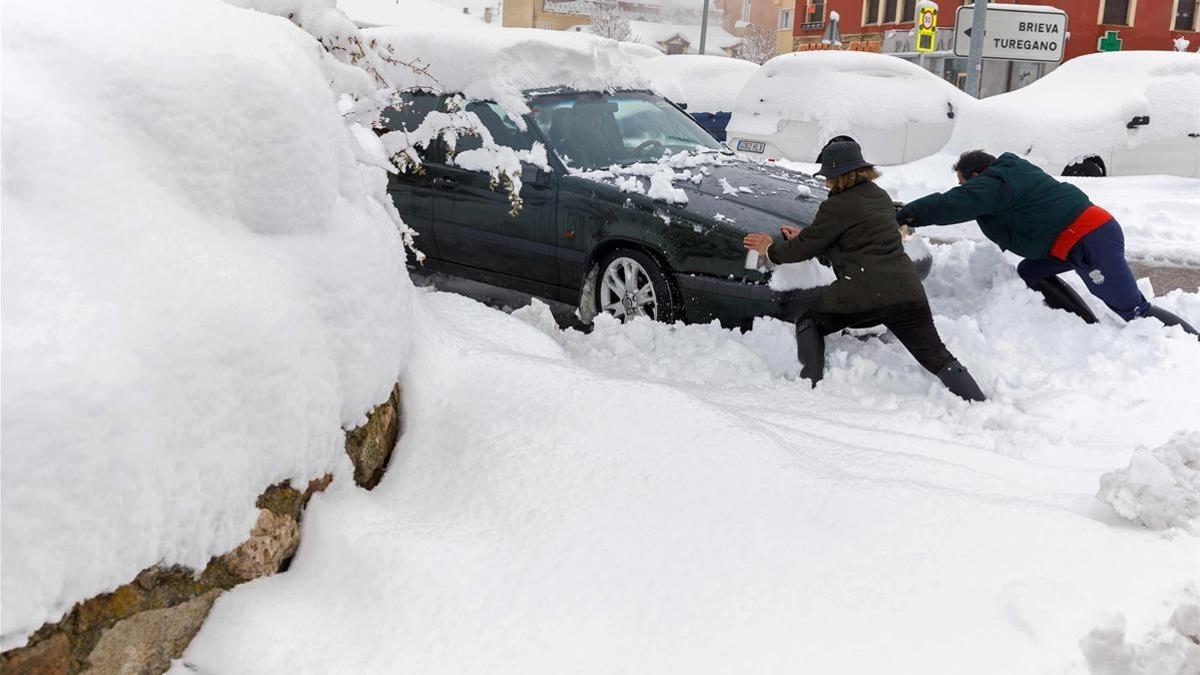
<point x="141" y="626"/>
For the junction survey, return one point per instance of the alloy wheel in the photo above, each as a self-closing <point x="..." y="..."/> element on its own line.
<point x="626" y="290"/>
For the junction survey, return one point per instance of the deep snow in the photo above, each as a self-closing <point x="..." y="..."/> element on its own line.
<point x="652" y="498"/>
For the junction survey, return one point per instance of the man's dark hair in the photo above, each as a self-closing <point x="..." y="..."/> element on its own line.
<point x="972" y="162"/>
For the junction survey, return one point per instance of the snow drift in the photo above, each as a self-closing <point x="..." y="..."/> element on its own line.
<point x="202" y="284"/>
<point x="704" y="83"/>
<point x="1161" y="486"/>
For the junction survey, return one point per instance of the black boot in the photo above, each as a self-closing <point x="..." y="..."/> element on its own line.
<point x="810" y="349"/>
<point x="960" y="383"/>
<point x="1170" y="319"/>
<point x="1059" y="295"/>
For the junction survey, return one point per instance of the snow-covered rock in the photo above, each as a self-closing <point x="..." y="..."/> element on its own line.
<point x="1161" y="486"/>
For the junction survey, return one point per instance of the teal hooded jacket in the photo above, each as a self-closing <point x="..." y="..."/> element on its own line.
<point x="1017" y="205"/>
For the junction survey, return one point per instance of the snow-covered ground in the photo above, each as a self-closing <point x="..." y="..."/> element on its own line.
<point x="652" y="498"/>
<point x="1159" y="214"/>
<point x="222" y="293"/>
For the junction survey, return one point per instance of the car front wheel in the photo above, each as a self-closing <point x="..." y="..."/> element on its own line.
<point x="633" y="284"/>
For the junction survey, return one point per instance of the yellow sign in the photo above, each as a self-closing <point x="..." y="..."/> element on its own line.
<point x="926" y="26"/>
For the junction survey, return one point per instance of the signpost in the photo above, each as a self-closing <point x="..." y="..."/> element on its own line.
<point x="1013" y="33"/>
<point x="975" y="50"/>
<point x="926" y="26"/>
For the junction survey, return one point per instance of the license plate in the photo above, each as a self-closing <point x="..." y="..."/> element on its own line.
<point x="751" y="146"/>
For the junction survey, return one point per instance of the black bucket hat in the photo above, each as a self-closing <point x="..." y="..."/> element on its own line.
<point x="840" y="158"/>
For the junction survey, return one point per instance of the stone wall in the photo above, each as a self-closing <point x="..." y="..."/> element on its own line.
<point x="141" y="626"/>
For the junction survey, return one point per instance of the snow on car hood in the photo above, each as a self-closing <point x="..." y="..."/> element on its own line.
<point x="840" y="90"/>
<point x="1083" y="106"/>
<point x="500" y="65"/>
<point x="747" y="195"/>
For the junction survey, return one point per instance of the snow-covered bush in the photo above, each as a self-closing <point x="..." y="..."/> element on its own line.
<point x="1161" y="486"/>
<point x="203" y="280"/>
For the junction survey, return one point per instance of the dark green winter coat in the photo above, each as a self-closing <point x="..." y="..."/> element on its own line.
<point x="1017" y="205"/>
<point x="856" y="231"/>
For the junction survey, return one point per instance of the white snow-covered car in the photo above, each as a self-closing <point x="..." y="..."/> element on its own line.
<point x="796" y="103"/>
<point x="707" y="86"/>
<point x="1119" y="113"/>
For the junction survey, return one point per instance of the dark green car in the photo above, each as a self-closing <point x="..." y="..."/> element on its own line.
<point x="596" y="229"/>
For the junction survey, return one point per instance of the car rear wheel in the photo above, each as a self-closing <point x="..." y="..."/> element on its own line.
<point x="633" y="284"/>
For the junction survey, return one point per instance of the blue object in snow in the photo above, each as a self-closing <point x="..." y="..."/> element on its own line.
<point x="713" y="122"/>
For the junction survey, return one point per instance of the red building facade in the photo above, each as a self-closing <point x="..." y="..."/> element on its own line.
<point x="1136" y="24"/>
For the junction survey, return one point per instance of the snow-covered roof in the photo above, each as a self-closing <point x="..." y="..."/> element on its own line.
<point x="500" y="65"/>
<point x="704" y="83"/>
<point x="717" y="41"/>
<point x="840" y="90"/>
<point x="1046" y="121"/>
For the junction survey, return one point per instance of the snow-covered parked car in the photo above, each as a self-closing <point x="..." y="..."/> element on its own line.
<point x="706" y="86"/>
<point x="627" y="206"/>
<point x="797" y="103"/>
<point x="1119" y="113"/>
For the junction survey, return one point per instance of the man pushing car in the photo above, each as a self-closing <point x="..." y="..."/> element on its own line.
<point x="1053" y="225"/>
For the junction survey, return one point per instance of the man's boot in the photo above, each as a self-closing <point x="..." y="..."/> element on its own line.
<point x="1059" y="295"/>
<point x="960" y="383"/>
<point x="810" y="349"/>
<point x="1170" y="319"/>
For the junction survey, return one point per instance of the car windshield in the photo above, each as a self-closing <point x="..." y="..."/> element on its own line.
<point x="593" y="131"/>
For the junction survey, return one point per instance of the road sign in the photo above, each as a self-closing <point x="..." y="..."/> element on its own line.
<point x="926" y="26"/>
<point x="1015" y="33"/>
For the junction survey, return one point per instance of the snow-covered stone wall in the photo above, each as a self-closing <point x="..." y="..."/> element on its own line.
<point x="203" y="282"/>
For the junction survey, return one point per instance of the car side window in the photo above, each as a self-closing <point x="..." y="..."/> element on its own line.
<point x="504" y="130"/>
<point x="412" y="110"/>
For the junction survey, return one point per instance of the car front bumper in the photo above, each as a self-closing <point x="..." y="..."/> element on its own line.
<point x="737" y="303"/>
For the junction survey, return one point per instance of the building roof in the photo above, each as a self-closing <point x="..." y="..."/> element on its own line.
<point x="654" y="34"/>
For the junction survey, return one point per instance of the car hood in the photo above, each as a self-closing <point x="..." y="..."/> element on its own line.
<point x="752" y="196"/>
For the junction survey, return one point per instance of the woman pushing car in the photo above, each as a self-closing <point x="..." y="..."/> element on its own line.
<point x="856" y="230"/>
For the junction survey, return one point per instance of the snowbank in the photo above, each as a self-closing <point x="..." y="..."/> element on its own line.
<point x="1161" y="486"/>
<point x="1046" y="123"/>
<point x="652" y="498"/>
<point x="202" y="284"/>
<point x="840" y="90"/>
<point x="1170" y="649"/>
<point x="500" y="65"/>
<point x="704" y="83"/>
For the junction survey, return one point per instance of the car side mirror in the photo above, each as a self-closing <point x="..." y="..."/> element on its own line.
<point x="1138" y="121"/>
<point x="532" y="175"/>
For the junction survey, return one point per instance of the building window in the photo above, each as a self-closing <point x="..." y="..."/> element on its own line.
<point x="871" y="15"/>
<point x="1185" y="15"/>
<point x="785" y="19"/>
<point x="889" y="11"/>
<point x="909" y="12"/>
<point x="745" y="10"/>
<point x="814" y="12"/>
<point x="1116" y="13"/>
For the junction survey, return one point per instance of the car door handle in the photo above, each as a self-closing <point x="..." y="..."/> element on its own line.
<point x="445" y="183"/>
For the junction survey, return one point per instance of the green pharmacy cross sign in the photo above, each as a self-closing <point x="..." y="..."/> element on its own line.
<point x="1109" y="42"/>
